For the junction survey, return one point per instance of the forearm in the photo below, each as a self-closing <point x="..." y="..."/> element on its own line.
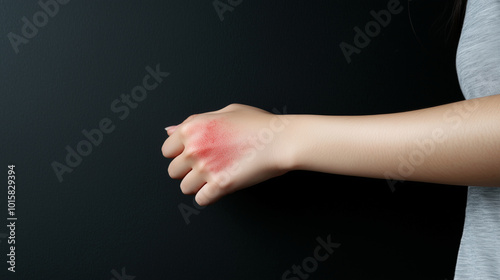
<point x="457" y="143"/>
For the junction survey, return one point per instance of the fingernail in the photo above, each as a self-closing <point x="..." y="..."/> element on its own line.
<point x="170" y="127"/>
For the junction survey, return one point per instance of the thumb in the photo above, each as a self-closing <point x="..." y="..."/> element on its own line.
<point x="170" y="129"/>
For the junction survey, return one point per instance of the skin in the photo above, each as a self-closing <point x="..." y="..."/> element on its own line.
<point x="219" y="152"/>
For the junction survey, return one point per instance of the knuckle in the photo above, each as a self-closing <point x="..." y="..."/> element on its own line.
<point x="232" y="106"/>
<point x="184" y="129"/>
<point x="190" y="118"/>
<point x="222" y="181"/>
<point x="190" y="152"/>
<point x="226" y="186"/>
<point x="203" y="167"/>
<point x="187" y="127"/>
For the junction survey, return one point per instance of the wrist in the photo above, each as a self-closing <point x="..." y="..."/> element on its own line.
<point x="288" y="143"/>
<point x="309" y="142"/>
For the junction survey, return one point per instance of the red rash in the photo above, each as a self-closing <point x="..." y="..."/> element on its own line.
<point x="214" y="142"/>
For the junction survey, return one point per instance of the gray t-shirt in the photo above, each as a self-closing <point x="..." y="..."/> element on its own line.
<point x="478" y="69"/>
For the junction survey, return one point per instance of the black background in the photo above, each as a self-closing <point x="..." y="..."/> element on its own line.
<point x="119" y="209"/>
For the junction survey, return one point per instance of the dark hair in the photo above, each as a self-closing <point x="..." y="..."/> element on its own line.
<point x="454" y="25"/>
<point x="447" y="25"/>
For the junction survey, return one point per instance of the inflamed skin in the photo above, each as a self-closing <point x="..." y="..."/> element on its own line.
<point x="216" y="144"/>
<point x="219" y="152"/>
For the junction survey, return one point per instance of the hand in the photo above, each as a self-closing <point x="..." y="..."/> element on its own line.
<point x="217" y="153"/>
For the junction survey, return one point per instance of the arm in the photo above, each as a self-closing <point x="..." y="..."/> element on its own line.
<point x="457" y="143"/>
<point x="219" y="152"/>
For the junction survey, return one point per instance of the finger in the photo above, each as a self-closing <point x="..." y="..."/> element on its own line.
<point x="173" y="146"/>
<point x="170" y="129"/>
<point x="192" y="182"/>
<point x="208" y="194"/>
<point x="179" y="167"/>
